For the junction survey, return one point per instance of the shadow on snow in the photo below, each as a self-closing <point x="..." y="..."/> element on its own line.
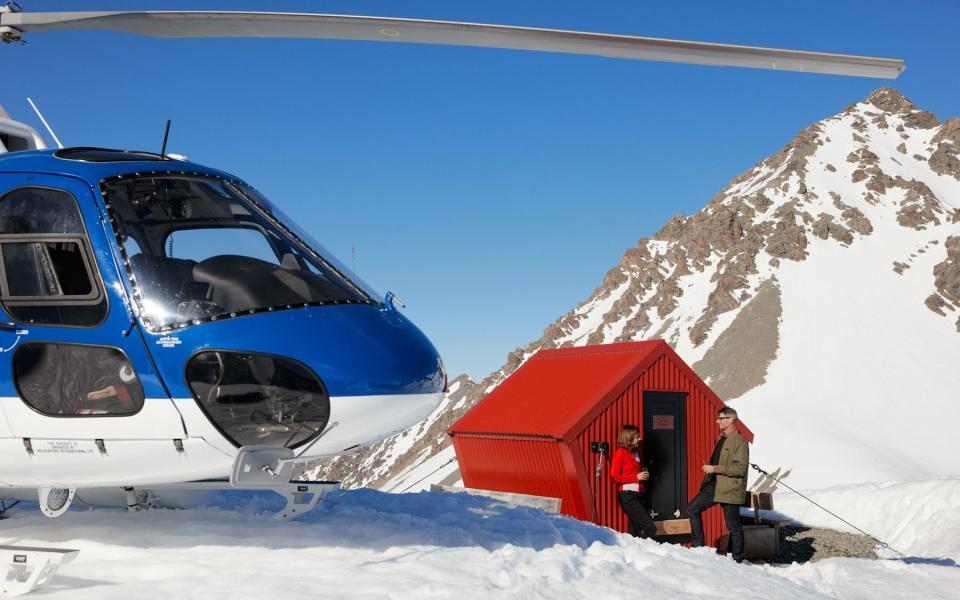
<point x="361" y="518"/>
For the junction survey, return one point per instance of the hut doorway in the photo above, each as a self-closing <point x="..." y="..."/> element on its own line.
<point x="665" y="453"/>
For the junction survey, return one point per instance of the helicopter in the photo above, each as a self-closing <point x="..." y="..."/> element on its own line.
<point x="163" y="323"/>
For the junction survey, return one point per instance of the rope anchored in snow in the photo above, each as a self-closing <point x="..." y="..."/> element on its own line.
<point x="881" y="543"/>
<point x="428" y="474"/>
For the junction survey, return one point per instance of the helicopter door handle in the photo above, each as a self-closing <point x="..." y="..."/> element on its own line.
<point x="4" y="326"/>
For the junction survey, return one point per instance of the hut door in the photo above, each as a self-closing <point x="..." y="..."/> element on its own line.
<point x="665" y="453"/>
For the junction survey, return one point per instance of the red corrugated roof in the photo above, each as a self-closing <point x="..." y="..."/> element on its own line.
<point x="557" y="392"/>
<point x="555" y="389"/>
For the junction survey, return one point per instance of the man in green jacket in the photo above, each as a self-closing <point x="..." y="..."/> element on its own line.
<point x="724" y="483"/>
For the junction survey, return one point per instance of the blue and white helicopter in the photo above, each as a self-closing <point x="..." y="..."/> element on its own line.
<point x="163" y="323"/>
<point x="163" y="315"/>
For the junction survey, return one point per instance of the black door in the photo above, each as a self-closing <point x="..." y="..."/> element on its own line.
<point x="665" y="453"/>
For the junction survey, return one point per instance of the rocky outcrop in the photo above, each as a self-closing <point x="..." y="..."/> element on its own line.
<point x="789" y="236"/>
<point x="852" y="217"/>
<point x="945" y="160"/>
<point x="892" y="102"/>
<point x="825" y="227"/>
<point x="920" y="207"/>
<point x="946" y="279"/>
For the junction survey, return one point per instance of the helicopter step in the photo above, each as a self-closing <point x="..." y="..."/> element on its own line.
<point x="256" y="468"/>
<point x="259" y="468"/>
<point x="30" y="568"/>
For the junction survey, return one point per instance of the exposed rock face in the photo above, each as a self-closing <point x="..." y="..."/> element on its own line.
<point x="707" y="283"/>
<point x="947" y="274"/>
<point x="945" y="160"/>
<point x="852" y="217"/>
<point x="890" y="100"/>
<point x="892" y="103"/>
<point x="920" y="206"/>
<point x="946" y="278"/>
<point x="738" y="360"/>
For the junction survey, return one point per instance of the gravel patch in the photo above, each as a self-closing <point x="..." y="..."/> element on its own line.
<point x="810" y="544"/>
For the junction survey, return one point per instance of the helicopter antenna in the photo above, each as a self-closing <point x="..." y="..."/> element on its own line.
<point x="166" y="134"/>
<point x="45" y="124"/>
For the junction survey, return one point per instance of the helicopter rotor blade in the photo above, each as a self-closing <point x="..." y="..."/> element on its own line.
<point x="173" y="24"/>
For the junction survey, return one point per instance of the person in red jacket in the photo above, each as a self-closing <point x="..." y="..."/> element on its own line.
<point x="626" y="471"/>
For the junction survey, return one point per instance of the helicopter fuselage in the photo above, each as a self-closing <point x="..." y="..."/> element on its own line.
<point x="158" y="316"/>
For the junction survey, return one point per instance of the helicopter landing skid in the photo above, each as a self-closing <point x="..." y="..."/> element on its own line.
<point x="301" y="496"/>
<point x="29" y="568"/>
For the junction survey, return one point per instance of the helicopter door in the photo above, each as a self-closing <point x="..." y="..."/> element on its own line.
<point x="75" y="376"/>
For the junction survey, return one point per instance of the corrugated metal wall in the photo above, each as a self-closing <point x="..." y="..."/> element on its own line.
<point x="702" y="432"/>
<point x="537" y="466"/>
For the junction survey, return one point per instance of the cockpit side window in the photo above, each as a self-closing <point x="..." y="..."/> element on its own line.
<point x="47" y="273"/>
<point x="198" y="249"/>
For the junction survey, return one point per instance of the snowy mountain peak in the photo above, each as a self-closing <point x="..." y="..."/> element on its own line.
<point x="830" y="262"/>
<point x="891" y="101"/>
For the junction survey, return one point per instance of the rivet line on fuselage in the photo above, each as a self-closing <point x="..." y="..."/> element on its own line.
<point x="135" y="287"/>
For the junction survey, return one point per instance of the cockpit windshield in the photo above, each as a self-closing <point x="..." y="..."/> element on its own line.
<point x="201" y="248"/>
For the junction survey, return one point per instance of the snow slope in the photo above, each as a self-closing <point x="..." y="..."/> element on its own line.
<point x="370" y="545"/>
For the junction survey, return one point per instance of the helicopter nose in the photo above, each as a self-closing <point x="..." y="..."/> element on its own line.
<point x="377" y="351"/>
<point x="382" y="373"/>
<point x="358" y="373"/>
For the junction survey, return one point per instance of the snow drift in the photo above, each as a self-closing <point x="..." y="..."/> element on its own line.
<point x="368" y="544"/>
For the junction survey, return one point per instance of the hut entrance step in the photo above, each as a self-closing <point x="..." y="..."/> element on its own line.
<point x="544" y="503"/>
<point x="673" y="527"/>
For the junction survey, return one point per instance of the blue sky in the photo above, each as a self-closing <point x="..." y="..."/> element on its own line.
<point x="491" y="190"/>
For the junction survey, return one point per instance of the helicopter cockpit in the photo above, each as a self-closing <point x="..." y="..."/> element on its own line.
<point x="199" y="248"/>
<point x="179" y="317"/>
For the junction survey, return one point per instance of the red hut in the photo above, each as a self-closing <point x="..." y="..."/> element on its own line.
<point x="538" y="432"/>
